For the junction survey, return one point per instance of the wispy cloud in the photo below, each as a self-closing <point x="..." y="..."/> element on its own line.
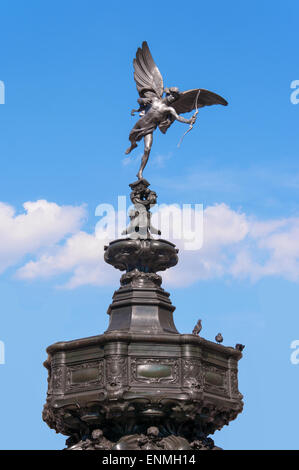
<point x="272" y="184"/>
<point x="131" y="158"/>
<point x="159" y="160"/>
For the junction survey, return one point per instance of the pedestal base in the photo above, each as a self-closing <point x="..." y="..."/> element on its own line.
<point x="125" y="383"/>
<point x="152" y="440"/>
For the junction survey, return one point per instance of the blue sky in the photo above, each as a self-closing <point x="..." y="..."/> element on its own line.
<point x="67" y="69"/>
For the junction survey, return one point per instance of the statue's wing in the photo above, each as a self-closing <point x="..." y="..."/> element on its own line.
<point x="146" y="74"/>
<point x="187" y="100"/>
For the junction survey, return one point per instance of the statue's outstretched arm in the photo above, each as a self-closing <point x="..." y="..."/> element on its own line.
<point x="178" y="117"/>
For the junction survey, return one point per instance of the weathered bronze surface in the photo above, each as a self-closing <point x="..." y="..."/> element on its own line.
<point x="156" y="111"/>
<point x="140" y="304"/>
<point x="122" y="383"/>
<point x="141" y="384"/>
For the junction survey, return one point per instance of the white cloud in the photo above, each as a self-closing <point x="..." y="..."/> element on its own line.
<point x="223" y="231"/>
<point x="235" y="245"/>
<point x="81" y="255"/>
<point x="41" y="225"/>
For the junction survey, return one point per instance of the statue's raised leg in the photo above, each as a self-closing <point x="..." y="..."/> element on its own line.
<point x="132" y="147"/>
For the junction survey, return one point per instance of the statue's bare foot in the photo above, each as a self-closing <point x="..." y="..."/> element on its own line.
<point x="139" y="175"/>
<point x="132" y="147"/>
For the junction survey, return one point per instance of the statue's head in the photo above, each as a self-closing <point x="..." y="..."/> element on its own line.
<point x="172" y="94"/>
<point x="152" y="431"/>
<point x="97" y="434"/>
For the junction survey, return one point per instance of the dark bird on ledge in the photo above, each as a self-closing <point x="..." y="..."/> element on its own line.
<point x="219" y="338"/>
<point x="240" y="347"/>
<point x="197" y="329"/>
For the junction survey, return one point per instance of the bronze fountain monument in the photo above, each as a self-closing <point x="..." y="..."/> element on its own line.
<point x="142" y="385"/>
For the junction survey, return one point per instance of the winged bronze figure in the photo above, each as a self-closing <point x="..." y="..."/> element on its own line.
<point x="158" y="111"/>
